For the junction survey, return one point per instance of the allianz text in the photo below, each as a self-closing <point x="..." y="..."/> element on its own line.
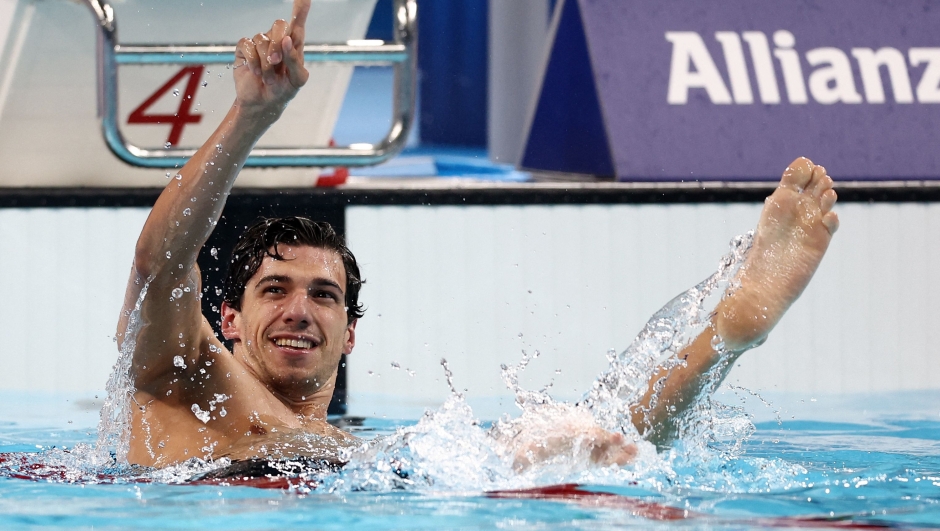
<point x="830" y="79"/>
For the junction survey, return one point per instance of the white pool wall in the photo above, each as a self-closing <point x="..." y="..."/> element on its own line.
<point x="62" y="278"/>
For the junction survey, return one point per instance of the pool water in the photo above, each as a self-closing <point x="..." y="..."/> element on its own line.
<point x="883" y="470"/>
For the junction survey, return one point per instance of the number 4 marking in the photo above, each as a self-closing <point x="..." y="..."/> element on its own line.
<point x="183" y="115"/>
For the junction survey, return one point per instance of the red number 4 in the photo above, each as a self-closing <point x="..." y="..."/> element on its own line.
<point x="183" y="115"/>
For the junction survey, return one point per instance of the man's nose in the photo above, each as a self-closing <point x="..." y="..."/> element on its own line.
<point x="297" y="310"/>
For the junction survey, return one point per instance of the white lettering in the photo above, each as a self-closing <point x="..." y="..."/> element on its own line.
<point x="688" y="49"/>
<point x="763" y="66"/>
<point x="790" y="64"/>
<point x="832" y="82"/>
<point x="737" y="68"/>
<point x="869" y="64"/>
<point x="928" y="89"/>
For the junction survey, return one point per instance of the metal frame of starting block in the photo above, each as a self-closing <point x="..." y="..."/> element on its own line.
<point x="401" y="54"/>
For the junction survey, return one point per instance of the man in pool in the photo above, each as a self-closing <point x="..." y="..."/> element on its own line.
<point x="291" y="303"/>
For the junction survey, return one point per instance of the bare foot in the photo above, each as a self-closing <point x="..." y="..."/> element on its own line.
<point x="792" y="236"/>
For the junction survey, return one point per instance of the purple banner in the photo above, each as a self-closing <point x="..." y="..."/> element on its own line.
<point x="735" y="89"/>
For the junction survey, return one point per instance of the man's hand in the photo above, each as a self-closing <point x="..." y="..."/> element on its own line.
<point x="269" y="67"/>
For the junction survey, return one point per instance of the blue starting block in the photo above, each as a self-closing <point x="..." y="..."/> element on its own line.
<point x="733" y="90"/>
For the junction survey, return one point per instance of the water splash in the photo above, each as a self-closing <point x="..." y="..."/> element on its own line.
<point x="667" y="333"/>
<point x="114" y="425"/>
<point x="449" y="448"/>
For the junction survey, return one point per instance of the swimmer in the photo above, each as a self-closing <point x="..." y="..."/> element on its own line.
<point x="291" y="304"/>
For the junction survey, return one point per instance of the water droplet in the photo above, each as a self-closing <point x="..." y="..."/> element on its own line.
<point x="214" y="252"/>
<point x="177" y="293"/>
<point x="178" y="361"/>
<point x="176" y="92"/>
<point x="167" y="145"/>
<point x="395" y="365"/>
<point x="200" y="414"/>
<point x="717" y="344"/>
<point x="205" y="83"/>
<point x="218" y="147"/>
<point x="187" y="212"/>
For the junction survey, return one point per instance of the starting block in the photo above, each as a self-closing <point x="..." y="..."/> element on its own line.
<point x="59" y="91"/>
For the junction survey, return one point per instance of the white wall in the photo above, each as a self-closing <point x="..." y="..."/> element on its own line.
<point x="62" y="278"/>
<point x="464" y="282"/>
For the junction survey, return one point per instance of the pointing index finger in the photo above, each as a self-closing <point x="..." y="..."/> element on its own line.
<point x="298" y="21"/>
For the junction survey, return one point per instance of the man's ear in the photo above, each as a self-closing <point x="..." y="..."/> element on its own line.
<point x="230" y="322"/>
<point x="350" y="338"/>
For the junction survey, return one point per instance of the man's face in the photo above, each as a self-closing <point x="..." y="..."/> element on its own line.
<point x="292" y="328"/>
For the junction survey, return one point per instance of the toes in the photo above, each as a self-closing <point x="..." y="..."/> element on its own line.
<point x="798" y="174"/>
<point x="831" y="221"/>
<point x="820" y="182"/>
<point x="827" y="200"/>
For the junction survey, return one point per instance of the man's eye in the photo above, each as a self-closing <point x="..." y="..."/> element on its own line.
<point x="326" y="294"/>
<point x="274" y="289"/>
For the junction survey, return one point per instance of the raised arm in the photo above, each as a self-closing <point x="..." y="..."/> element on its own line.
<point x="794" y="231"/>
<point x="269" y="70"/>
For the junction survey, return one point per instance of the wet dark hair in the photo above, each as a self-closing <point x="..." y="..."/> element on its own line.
<point x="262" y="239"/>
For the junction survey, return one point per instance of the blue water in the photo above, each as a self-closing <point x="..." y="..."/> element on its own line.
<point x="875" y="467"/>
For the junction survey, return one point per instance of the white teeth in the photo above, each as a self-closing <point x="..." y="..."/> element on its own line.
<point x="296" y="343"/>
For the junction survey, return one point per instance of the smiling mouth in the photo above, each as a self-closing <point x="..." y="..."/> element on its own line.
<point x="294" y="343"/>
